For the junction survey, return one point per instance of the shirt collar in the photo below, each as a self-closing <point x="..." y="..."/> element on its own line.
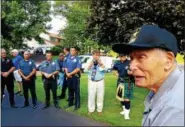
<point x="167" y="85"/>
<point x="72" y="57"/>
<point x="26" y="60"/>
<point x="49" y="61"/>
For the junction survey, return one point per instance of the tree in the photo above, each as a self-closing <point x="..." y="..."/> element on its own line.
<point x="76" y="14"/>
<point x="114" y="21"/>
<point x="22" y="20"/>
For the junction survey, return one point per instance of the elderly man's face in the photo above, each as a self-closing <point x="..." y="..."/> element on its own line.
<point x="3" y="53"/>
<point x="148" y="68"/>
<point x="96" y="56"/>
<point x="14" y="54"/>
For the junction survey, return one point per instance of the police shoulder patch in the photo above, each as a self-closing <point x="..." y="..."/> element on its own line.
<point x="74" y="60"/>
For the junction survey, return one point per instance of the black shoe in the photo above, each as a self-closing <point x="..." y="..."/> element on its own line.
<point x="46" y="106"/>
<point x="57" y="106"/>
<point x="68" y="106"/>
<point x="60" y="97"/>
<point x="25" y="106"/>
<point x="18" y="92"/>
<point x="35" y="106"/>
<point x="14" y="106"/>
<point x="75" y="109"/>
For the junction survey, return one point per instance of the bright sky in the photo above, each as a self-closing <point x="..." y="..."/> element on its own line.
<point x="57" y="23"/>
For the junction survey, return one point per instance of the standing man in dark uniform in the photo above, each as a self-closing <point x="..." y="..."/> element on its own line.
<point x="7" y="78"/>
<point x="49" y="70"/>
<point x="64" y="86"/>
<point x="27" y="70"/>
<point x="125" y="84"/>
<point x="72" y="69"/>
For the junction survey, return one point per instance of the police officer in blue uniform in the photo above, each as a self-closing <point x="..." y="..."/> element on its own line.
<point x="64" y="86"/>
<point x="27" y="70"/>
<point x="49" y="70"/>
<point x="7" y="78"/>
<point x="72" y="70"/>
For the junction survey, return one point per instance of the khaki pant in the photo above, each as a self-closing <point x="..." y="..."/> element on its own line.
<point x="95" y="88"/>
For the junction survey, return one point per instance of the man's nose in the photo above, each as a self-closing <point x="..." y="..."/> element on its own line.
<point x="133" y="65"/>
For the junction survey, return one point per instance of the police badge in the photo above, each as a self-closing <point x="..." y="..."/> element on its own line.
<point x="74" y="60"/>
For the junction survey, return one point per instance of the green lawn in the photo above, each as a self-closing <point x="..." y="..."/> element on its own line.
<point x="111" y="105"/>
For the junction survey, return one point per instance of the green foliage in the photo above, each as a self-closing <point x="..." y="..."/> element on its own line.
<point x="23" y="20"/>
<point x="76" y="14"/>
<point x="113" y="21"/>
<point x="56" y="50"/>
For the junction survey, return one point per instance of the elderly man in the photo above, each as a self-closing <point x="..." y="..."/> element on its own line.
<point x="154" y="67"/>
<point x="96" y="83"/>
<point x="17" y="58"/>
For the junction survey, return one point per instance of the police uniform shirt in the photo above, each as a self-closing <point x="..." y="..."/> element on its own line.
<point x="65" y="60"/>
<point x="26" y="66"/>
<point x="121" y="67"/>
<point x="166" y="107"/>
<point x="6" y="65"/>
<point x="49" y="66"/>
<point x="72" y="63"/>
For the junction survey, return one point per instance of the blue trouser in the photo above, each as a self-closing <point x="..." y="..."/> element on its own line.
<point x="74" y="91"/>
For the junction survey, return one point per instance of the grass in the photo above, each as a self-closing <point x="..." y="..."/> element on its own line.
<point x="180" y="58"/>
<point x="112" y="106"/>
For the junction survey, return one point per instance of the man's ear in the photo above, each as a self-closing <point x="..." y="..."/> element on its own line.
<point x="170" y="59"/>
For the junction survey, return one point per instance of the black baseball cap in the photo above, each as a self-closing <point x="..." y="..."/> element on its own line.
<point x="147" y="37"/>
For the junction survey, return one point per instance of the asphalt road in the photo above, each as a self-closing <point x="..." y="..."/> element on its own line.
<point x="38" y="117"/>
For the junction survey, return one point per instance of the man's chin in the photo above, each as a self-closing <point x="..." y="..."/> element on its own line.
<point x="139" y="84"/>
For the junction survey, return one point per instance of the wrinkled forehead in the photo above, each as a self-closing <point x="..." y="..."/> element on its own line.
<point x="143" y="51"/>
<point x="3" y="51"/>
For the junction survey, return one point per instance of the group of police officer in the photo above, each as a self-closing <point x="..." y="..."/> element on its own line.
<point x="49" y="69"/>
<point x="69" y="64"/>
